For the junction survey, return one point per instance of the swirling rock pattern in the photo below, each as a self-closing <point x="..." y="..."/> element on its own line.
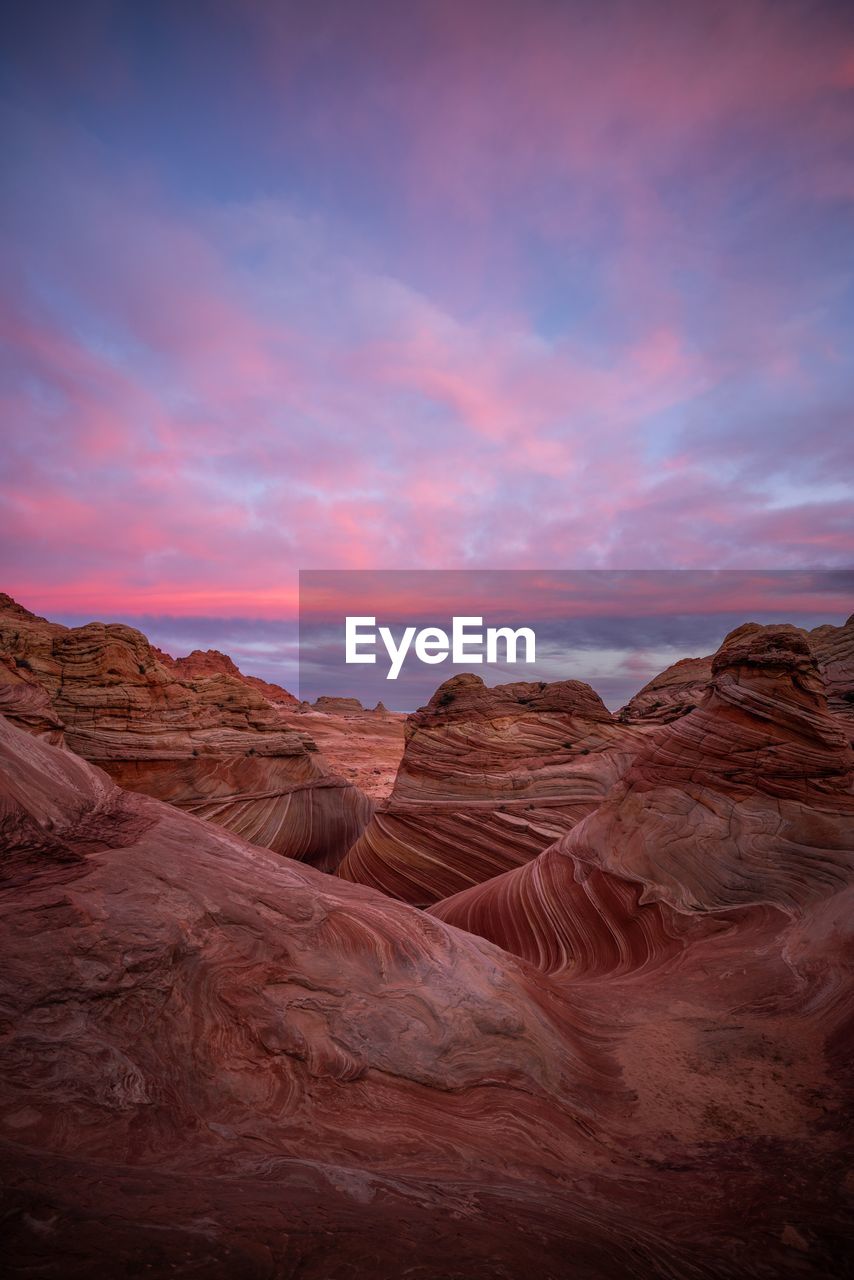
<point x="746" y="801"/>
<point x="199" y="1008"/>
<point x="220" y="1063"/>
<point x="489" y="778"/>
<point x="24" y="701"/>
<point x="193" y="732"/>
<point x="676" y="691"/>
<point x="833" y="648"/>
<point x="705" y="910"/>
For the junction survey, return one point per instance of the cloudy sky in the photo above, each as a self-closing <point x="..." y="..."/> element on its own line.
<point x="357" y="284"/>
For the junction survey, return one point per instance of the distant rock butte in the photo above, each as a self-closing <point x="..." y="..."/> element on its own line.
<point x="192" y="731"/>
<point x="340" y="706"/>
<point x="489" y="778"/>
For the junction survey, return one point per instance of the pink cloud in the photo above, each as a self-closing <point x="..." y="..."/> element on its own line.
<point x="186" y="427"/>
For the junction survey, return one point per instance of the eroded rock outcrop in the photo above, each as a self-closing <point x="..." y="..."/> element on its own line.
<point x="179" y="1006"/>
<point x="193" y="732"/>
<point x="745" y="802"/>
<point x="210" y="662"/>
<point x="217" y="1062"/>
<point x="671" y="694"/>
<point x="489" y="778"/>
<point x="833" y="648"/>
<point x="365" y="747"/>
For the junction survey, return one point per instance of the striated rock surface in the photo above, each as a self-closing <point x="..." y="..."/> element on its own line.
<point x="26" y="702"/>
<point x="193" y="732"/>
<point x="340" y="706"/>
<point x="215" y="1062"/>
<point x="746" y="802"/>
<point x="833" y="648"/>
<point x="676" y="691"/>
<point x="210" y="662"/>
<point x="197" y="1032"/>
<point x="365" y="747"/>
<point x="489" y="778"/>
<point x="704" y="911"/>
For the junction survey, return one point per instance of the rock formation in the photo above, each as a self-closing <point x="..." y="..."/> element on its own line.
<point x="194" y="732"/>
<point x="671" y="694"/>
<point x="26" y="702"/>
<point x="215" y="1062"/>
<point x="833" y="648"/>
<point x="341" y="706"/>
<point x="745" y="802"/>
<point x="364" y="747"/>
<point x="210" y="662"/>
<point x="196" y="1031"/>
<point x="489" y="778"/>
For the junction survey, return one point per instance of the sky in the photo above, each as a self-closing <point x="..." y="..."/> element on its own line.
<point x="508" y="284"/>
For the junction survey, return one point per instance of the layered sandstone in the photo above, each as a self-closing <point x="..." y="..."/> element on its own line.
<point x="210" y="662"/>
<point x="671" y="694"/>
<point x="488" y="779"/>
<point x="193" y="732"/>
<point x="365" y="747"/>
<point x="833" y="648"/>
<point x="217" y="1062"/>
<point x="198" y="1019"/>
<point x="745" y="802"/>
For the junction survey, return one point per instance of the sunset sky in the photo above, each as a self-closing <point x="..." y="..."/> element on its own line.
<point x="355" y="284"/>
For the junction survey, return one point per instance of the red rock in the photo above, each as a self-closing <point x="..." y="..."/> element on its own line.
<point x="743" y="802"/>
<point x="339" y="706"/>
<point x="833" y="648"/>
<point x="489" y="778"/>
<point x="194" y="732"/>
<point x="364" y="748"/>
<point x="217" y="1062"/>
<point x="213" y="663"/>
<point x="180" y="1006"/>
<point x="676" y="691"/>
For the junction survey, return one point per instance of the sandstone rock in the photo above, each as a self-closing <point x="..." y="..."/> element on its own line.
<point x="676" y="691"/>
<point x="339" y="706"/>
<point x="833" y="648"/>
<point x="365" y="749"/>
<point x="217" y="1062"/>
<point x="489" y="778"/>
<point x="180" y="1007"/>
<point x="200" y="735"/>
<point x="211" y="662"/>
<point x="26" y="703"/>
<point x="746" y="801"/>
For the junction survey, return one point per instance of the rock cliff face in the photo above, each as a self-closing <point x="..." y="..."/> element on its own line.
<point x="488" y="779"/>
<point x="26" y="702"/>
<point x="194" y="732"/>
